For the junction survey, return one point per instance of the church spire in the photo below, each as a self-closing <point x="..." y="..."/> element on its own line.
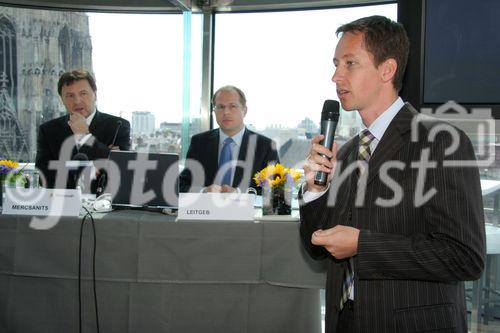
<point x="13" y="143"/>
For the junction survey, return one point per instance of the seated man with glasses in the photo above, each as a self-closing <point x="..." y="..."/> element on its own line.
<point x="226" y="158"/>
<point x="83" y="131"/>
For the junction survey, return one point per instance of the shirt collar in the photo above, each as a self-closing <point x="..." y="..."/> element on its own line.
<point x="237" y="138"/>
<point x="379" y="126"/>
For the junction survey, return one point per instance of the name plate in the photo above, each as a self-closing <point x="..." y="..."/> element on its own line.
<point x="41" y="202"/>
<point x="216" y="206"/>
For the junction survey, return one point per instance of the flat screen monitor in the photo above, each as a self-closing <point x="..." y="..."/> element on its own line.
<point x="461" y="58"/>
<point x="144" y="175"/>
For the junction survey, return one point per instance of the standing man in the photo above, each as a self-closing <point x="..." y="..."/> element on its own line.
<point x="399" y="227"/>
<point x="230" y="155"/>
<point x="83" y="130"/>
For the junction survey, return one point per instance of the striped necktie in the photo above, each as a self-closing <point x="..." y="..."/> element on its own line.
<point x="364" y="154"/>
<point x="364" y="151"/>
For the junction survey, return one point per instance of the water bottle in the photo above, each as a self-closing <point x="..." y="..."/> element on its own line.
<point x="35" y="179"/>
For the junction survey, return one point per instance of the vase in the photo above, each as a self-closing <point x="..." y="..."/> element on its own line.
<point x="2" y="185"/>
<point x="7" y="180"/>
<point x="277" y="201"/>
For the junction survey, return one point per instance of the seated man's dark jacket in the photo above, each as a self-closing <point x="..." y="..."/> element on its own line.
<point x="204" y="148"/>
<point x="53" y="133"/>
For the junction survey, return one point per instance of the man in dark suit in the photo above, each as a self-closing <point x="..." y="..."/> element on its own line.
<point x="84" y="132"/>
<point x="248" y="152"/>
<point x="400" y="221"/>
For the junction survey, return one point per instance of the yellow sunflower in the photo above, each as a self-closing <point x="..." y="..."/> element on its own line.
<point x="8" y="164"/>
<point x="276" y="175"/>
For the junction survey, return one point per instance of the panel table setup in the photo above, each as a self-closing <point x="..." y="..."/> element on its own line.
<point x="78" y="265"/>
<point x="153" y="274"/>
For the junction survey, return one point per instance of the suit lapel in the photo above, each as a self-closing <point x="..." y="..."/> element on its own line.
<point x="392" y="140"/>
<point x="244" y="143"/>
<point x="212" y="150"/>
<point x="64" y="135"/>
<point x="67" y="130"/>
<point x="352" y="151"/>
<point x="238" y="173"/>
<point x="94" y="124"/>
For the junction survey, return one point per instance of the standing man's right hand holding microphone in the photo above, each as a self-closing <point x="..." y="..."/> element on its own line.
<point x="319" y="165"/>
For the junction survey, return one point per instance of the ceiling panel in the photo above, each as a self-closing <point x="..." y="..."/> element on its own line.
<point x="177" y="6"/>
<point x="249" y="5"/>
<point x="167" y="6"/>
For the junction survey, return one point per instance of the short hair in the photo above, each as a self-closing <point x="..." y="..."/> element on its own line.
<point x="75" y="75"/>
<point x="243" y="99"/>
<point x="385" y="39"/>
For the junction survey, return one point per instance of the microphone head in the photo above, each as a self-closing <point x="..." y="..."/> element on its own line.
<point x="330" y="110"/>
<point x="80" y="157"/>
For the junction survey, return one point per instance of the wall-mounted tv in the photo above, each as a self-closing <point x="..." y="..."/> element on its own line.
<point x="462" y="51"/>
<point x="454" y="52"/>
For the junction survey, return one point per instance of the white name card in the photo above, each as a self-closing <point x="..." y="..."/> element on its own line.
<point x="41" y="202"/>
<point x="216" y="206"/>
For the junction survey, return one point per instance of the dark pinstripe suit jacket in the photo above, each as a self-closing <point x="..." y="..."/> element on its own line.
<point x="412" y="258"/>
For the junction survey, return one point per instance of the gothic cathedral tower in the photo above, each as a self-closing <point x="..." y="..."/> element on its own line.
<point x="36" y="47"/>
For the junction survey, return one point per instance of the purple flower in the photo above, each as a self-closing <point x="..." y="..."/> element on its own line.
<point x="4" y="169"/>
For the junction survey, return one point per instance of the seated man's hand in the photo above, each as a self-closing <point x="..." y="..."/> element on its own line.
<point x="114" y="147"/>
<point x="220" y="189"/>
<point x="214" y="188"/>
<point x="228" y="189"/>
<point x="78" y="124"/>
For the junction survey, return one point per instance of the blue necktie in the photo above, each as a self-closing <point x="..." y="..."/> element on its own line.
<point x="226" y="157"/>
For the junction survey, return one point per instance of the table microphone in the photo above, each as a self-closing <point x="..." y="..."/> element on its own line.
<point x="329" y="119"/>
<point x="118" y="125"/>
<point x="103" y="177"/>
<point x="80" y="167"/>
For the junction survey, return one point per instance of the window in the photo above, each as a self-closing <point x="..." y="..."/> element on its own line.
<point x="137" y="60"/>
<point x="283" y="63"/>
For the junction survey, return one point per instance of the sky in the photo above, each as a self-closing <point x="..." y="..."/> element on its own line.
<point x="281" y="60"/>
<point x="137" y="61"/>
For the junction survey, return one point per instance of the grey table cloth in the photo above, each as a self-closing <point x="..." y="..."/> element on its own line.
<point x="157" y="275"/>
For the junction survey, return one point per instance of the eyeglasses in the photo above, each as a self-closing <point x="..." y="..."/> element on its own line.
<point x="231" y="107"/>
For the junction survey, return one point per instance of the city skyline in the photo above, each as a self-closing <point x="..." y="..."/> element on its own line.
<point x="138" y="59"/>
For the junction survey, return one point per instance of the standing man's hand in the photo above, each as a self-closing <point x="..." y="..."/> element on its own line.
<point x="341" y="241"/>
<point x="317" y="162"/>
<point x="78" y="124"/>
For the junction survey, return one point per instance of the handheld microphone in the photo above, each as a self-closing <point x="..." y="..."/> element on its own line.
<point x="329" y="119"/>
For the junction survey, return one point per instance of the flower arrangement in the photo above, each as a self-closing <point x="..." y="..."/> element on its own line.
<point x="277" y="176"/>
<point x="10" y="173"/>
<point x="277" y="183"/>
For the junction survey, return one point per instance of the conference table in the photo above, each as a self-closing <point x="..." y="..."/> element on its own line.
<point x="154" y="274"/>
